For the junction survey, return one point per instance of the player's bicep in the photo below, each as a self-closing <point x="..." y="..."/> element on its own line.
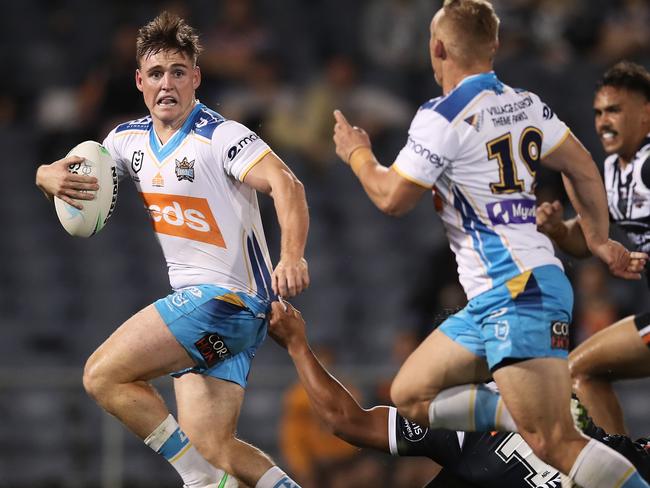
<point x="268" y="173"/>
<point x="570" y="157"/>
<point x="404" y="192"/>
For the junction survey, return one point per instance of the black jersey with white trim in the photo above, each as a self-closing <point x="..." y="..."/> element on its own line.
<point x="628" y="195"/>
<point x="497" y="459"/>
<point x="488" y="460"/>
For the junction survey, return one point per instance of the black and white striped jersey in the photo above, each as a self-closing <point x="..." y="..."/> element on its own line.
<point x="495" y="459"/>
<point x="628" y="195"/>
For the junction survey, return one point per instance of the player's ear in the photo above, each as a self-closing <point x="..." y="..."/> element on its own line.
<point x="646" y="113"/>
<point x="196" y="77"/>
<point x="138" y="79"/>
<point x="439" y="50"/>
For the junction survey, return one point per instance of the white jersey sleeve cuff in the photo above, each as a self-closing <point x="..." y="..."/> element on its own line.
<point x="392" y="431"/>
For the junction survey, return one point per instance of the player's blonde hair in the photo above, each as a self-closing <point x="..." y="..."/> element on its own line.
<point x="472" y="29"/>
<point x="167" y="32"/>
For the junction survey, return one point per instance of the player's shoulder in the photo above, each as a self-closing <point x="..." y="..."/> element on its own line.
<point x="644" y="151"/>
<point x="205" y="121"/>
<point x="454" y="103"/>
<point x="142" y="124"/>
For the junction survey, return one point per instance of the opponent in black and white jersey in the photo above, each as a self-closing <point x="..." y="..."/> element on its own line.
<point x="469" y="459"/>
<point x="628" y="192"/>
<point x="622" y="120"/>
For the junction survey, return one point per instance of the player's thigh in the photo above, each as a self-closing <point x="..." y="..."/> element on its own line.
<point x="537" y="393"/>
<point x="615" y="352"/>
<point x="438" y="363"/>
<point x="142" y="348"/>
<point x="208" y="408"/>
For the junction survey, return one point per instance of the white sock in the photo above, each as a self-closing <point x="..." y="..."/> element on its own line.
<point x="170" y="441"/>
<point x="470" y="408"/>
<point x="598" y="466"/>
<point x="276" y="478"/>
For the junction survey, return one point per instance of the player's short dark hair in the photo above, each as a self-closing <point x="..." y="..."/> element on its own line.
<point x="629" y="76"/>
<point x="167" y="32"/>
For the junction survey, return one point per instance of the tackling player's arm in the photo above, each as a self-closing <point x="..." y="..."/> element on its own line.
<point x="329" y="398"/>
<point x="389" y="191"/>
<point x="55" y="180"/>
<point x="587" y="195"/>
<point x="273" y="177"/>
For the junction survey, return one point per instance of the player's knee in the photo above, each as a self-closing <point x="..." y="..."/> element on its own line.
<point x="400" y="394"/>
<point x="408" y="404"/>
<point x="95" y="380"/>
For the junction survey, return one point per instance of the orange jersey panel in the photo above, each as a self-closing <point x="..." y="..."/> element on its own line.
<point x="182" y="216"/>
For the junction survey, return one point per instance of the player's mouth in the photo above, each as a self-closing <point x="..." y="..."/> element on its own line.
<point x="166" y="101"/>
<point x="608" y="135"/>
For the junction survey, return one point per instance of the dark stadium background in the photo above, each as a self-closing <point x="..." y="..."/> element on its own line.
<point x="280" y="67"/>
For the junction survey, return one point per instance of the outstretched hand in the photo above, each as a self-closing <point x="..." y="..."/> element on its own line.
<point x="348" y="138"/>
<point x="56" y="180"/>
<point x="621" y="262"/>
<point x="286" y="326"/>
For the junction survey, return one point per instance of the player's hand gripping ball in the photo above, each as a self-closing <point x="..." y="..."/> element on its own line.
<point x="95" y="213"/>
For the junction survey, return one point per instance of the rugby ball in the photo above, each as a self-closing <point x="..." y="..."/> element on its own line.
<point x="95" y="213"/>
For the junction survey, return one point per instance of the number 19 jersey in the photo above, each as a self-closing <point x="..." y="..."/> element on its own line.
<point x="479" y="149"/>
<point x="206" y="219"/>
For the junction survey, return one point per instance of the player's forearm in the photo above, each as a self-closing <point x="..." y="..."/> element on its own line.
<point x="293" y="217"/>
<point x="590" y="202"/>
<point x="376" y="181"/>
<point x="334" y="404"/>
<point x="569" y="238"/>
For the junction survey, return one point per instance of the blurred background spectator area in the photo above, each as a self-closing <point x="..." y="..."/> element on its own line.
<point x="378" y="283"/>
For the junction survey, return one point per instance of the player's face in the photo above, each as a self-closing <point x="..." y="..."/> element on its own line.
<point x="621" y="120"/>
<point x="168" y="81"/>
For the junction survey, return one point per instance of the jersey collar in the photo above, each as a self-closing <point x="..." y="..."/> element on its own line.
<point x="163" y="151"/>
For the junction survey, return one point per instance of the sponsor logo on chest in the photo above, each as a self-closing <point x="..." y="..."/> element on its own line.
<point x="515" y="211"/>
<point x="183" y="216"/>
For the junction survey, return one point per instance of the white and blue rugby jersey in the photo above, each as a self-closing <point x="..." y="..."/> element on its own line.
<point x="206" y="220"/>
<point x="479" y="148"/>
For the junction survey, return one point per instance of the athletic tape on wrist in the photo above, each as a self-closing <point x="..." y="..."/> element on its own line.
<point x="359" y="157"/>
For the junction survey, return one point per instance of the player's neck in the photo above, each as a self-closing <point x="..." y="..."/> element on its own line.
<point x="166" y="129"/>
<point x="455" y="74"/>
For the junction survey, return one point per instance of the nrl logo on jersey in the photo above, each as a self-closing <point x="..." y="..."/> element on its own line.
<point x="136" y="164"/>
<point x="185" y="170"/>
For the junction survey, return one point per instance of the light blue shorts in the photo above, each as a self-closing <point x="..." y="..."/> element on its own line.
<point x="526" y="317"/>
<point x="220" y="329"/>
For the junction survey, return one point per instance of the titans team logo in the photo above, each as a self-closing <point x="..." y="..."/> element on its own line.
<point x="185" y="170"/>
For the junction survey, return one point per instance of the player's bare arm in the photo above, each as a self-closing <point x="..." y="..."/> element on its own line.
<point x="589" y="199"/>
<point x="273" y="177"/>
<point x="55" y="180"/>
<point x="331" y="400"/>
<point x="389" y="191"/>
